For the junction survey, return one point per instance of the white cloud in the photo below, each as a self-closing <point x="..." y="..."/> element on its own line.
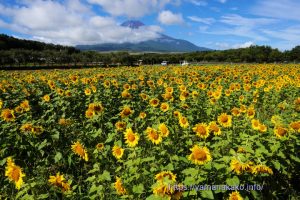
<point x="168" y="18"/>
<point x="202" y="20"/>
<point x="244" y="27"/>
<point x="289" y="37"/>
<point x="222" y="1"/>
<point x="280" y="9"/>
<point x="243" y="45"/>
<point x="198" y="2"/>
<point x="70" y="23"/>
<point x="131" y="8"/>
<point x="225" y="45"/>
<point x="203" y="28"/>
<point x="237" y="20"/>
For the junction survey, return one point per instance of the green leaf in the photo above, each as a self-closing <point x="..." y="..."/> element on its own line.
<point x="232" y="152"/>
<point x="190" y="171"/>
<point x="110" y="137"/>
<point x="139" y="189"/>
<point x="233" y="181"/>
<point x="57" y="157"/>
<point x="43" y="144"/>
<point x="94" y="188"/>
<point x="148" y="159"/>
<point x="208" y="194"/>
<point x="169" y="167"/>
<point x="43" y="196"/>
<point x="208" y="111"/>
<point x="189" y="180"/>
<point x="219" y="166"/>
<point x="91" y="178"/>
<point x="295" y="158"/>
<point x="276" y="164"/>
<point x="156" y="197"/>
<point x="105" y="176"/>
<point x="55" y="136"/>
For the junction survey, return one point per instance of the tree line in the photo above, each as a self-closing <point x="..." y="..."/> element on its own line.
<point x="19" y="52"/>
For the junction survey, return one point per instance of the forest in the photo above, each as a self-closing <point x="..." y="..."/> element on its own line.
<point x="14" y="52"/>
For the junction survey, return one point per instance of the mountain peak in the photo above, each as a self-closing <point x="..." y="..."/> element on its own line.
<point x="134" y="24"/>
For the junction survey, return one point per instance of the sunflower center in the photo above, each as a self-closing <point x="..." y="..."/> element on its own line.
<point x="183" y="120"/>
<point x="215" y="128"/>
<point x="118" y="151"/>
<point x="199" y="154"/>
<point x="295" y="125"/>
<point x="9" y="116"/>
<point x="15" y="174"/>
<point x="98" y="108"/>
<point x="281" y="131"/>
<point x="201" y="130"/>
<point x="224" y="119"/>
<point x="131" y="137"/>
<point x="256" y="124"/>
<point x="154" y="136"/>
<point x="127" y="112"/>
<point x="79" y="150"/>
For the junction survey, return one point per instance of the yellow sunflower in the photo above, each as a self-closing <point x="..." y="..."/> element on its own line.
<point x="164" y="107"/>
<point x="120" y="126"/>
<point x="202" y="130"/>
<point x="132" y="138"/>
<point x="14" y="173"/>
<point x="117" y="152"/>
<point x="199" y="156"/>
<point x="262" y="169"/>
<point x="225" y="120"/>
<point x="250" y="112"/>
<point x="142" y="115"/>
<point x="126" y="94"/>
<point x="165" y="174"/>
<point x="89" y="113"/>
<point x="26" y="127"/>
<point x="126" y="112"/>
<point x="280" y="131"/>
<point x="295" y="126"/>
<point x="25" y="105"/>
<point x="144" y="96"/>
<point x="119" y="187"/>
<point x="100" y="146"/>
<point x="59" y="181"/>
<point x="163" y="130"/>
<point x="235" y="112"/>
<point x="46" y="98"/>
<point x="154" y="102"/>
<point x="153" y="135"/>
<point x="213" y="127"/>
<point x="177" y="113"/>
<point x="183" y="122"/>
<point x="79" y="149"/>
<point x="238" y="167"/>
<point x="255" y="124"/>
<point x="8" y="115"/>
<point x="235" y="196"/>
<point x="64" y="122"/>
<point x="262" y="128"/>
<point x="163" y="190"/>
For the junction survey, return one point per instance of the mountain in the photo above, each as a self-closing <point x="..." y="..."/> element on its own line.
<point x="163" y="43"/>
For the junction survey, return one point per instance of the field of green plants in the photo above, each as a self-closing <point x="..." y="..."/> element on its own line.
<point x="151" y="132"/>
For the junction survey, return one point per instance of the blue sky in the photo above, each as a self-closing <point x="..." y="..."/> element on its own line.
<point x="217" y="24"/>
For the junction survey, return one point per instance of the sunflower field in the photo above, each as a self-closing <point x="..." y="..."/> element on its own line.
<point x="151" y="133"/>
